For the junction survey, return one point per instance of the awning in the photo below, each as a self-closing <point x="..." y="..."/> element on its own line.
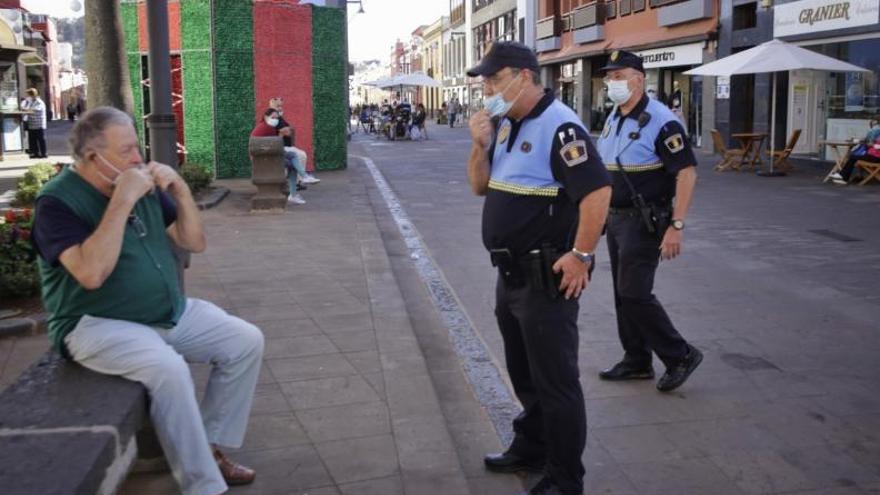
<point x="18" y="48"/>
<point x="31" y="59"/>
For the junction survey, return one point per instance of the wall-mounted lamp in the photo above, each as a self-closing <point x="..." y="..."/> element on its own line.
<point x="359" y="2"/>
<point x="766" y="4"/>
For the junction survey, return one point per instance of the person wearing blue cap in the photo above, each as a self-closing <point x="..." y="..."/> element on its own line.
<point x="547" y="196"/>
<point x="650" y="159"/>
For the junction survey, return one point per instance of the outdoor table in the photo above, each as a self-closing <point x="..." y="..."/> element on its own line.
<point x="751" y="143"/>
<point x="842" y="157"/>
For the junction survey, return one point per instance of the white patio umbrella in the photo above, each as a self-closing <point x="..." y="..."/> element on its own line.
<point x="415" y="79"/>
<point x="773" y="56"/>
<point x="378" y="83"/>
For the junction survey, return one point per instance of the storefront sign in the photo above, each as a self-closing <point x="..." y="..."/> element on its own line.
<point x="690" y="54"/>
<point x="808" y="16"/>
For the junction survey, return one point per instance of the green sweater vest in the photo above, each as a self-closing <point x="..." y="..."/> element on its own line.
<point x="143" y="286"/>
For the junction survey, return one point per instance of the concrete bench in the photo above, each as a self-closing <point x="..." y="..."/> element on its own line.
<point x="68" y="430"/>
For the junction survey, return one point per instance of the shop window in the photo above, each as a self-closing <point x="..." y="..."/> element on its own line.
<point x="638" y="6"/>
<point x="625" y="7"/>
<point x="8" y="87"/>
<point x="745" y="16"/>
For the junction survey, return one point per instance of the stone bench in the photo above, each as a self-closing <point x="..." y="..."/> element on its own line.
<point x="68" y="430"/>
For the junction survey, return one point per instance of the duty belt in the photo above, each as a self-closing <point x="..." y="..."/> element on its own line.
<point x="632" y="210"/>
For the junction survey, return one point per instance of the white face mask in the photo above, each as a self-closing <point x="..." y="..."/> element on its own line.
<point x="496" y="105"/>
<point x="272" y="122"/>
<point x="108" y="179"/>
<point x="618" y="91"/>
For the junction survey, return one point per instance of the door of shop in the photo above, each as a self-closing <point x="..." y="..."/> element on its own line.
<point x="806" y="108"/>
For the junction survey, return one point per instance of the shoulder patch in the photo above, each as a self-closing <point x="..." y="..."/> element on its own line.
<point x="674" y="143"/>
<point x="574" y="153"/>
<point x="504" y="133"/>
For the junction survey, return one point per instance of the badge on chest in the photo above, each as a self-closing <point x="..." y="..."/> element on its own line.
<point x="504" y="133"/>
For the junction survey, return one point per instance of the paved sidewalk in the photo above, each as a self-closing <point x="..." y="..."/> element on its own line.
<point x="346" y="402"/>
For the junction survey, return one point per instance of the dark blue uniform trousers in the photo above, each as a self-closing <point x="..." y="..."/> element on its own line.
<point x="642" y="323"/>
<point x="541" y="349"/>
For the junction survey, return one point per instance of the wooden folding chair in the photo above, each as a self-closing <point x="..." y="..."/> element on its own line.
<point x="730" y="158"/>
<point x="871" y="170"/>
<point x="780" y="158"/>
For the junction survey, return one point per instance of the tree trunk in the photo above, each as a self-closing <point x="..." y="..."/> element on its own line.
<point x="106" y="64"/>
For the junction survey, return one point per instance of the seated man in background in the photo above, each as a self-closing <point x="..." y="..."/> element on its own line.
<point x="268" y="127"/>
<point x="296" y="156"/>
<point x="103" y="230"/>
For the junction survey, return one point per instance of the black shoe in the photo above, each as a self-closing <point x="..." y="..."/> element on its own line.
<point x="547" y="487"/>
<point x="627" y="371"/>
<point x="678" y="374"/>
<point x="511" y="463"/>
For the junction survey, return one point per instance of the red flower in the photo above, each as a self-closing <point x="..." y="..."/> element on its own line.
<point x="26" y="214"/>
<point x="24" y="234"/>
<point x="10" y="216"/>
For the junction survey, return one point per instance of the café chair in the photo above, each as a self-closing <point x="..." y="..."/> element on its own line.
<point x="780" y="157"/>
<point x="730" y="157"/>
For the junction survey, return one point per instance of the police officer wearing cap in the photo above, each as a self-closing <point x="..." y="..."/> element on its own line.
<point x="547" y="195"/>
<point x="652" y="164"/>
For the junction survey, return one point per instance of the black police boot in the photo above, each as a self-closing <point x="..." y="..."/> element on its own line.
<point x="547" y="487"/>
<point x="627" y="371"/>
<point x="506" y="462"/>
<point x="675" y="376"/>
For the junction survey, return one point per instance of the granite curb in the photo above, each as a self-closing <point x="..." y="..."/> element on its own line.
<point x="213" y="198"/>
<point x="26" y="325"/>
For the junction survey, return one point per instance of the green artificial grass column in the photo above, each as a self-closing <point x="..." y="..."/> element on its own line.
<point x="233" y="58"/>
<point x="329" y="75"/>
<point x="129" y="14"/>
<point x="198" y="83"/>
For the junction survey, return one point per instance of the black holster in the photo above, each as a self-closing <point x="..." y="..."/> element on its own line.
<point x="534" y="269"/>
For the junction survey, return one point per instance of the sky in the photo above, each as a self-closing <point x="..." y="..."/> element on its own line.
<point x="54" y="8"/>
<point x="371" y="34"/>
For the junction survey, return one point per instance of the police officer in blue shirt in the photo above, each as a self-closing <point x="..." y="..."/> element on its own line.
<point x="645" y="148"/>
<point x="547" y="195"/>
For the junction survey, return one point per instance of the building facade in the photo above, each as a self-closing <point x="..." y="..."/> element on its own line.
<point x="432" y="59"/>
<point x="456" y="57"/>
<point x="824" y="105"/>
<point x="574" y="38"/>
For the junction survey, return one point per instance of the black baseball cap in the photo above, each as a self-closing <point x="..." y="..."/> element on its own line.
<point x="505" y="54"/>
<point x="620" y="59"/>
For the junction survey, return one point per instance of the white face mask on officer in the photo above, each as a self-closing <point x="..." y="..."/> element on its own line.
<point x="272" y="122"/>
<point x="618" y="91"/>
<point x="496" y="105"/>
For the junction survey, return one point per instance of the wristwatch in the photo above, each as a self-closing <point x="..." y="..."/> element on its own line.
<point x="584" y="257"/>
<point x="677" y="224"/>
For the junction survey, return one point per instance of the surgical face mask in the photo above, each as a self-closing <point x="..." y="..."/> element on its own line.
<point x="618" y="91"/>
<point x="108" y="179"/>
<point x="496" y="105"/>
<point x="272" y="122"/>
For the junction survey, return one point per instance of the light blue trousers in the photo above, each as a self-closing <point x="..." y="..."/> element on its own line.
<point x="158" y="358"/>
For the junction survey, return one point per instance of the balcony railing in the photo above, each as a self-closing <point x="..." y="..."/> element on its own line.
<point x="547" y="27"/>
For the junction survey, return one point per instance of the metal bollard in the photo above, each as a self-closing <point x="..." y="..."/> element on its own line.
<point x="267" y="162"/>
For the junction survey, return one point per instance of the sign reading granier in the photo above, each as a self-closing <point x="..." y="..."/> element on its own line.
<point x="807" y="16"/>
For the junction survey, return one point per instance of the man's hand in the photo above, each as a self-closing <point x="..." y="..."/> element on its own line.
<point x="574" y="275"/>
<point x="166" y="178"/>
<point x="671" y="245"/>
<point x="284" y="131"/>
<point x="133" y="184"/>
<point x="481" y="129"/>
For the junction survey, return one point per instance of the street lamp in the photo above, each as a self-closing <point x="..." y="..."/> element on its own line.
<point x="359" y="2"/>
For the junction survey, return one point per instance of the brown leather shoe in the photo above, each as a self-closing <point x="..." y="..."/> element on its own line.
<point x="233" y="473"/>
